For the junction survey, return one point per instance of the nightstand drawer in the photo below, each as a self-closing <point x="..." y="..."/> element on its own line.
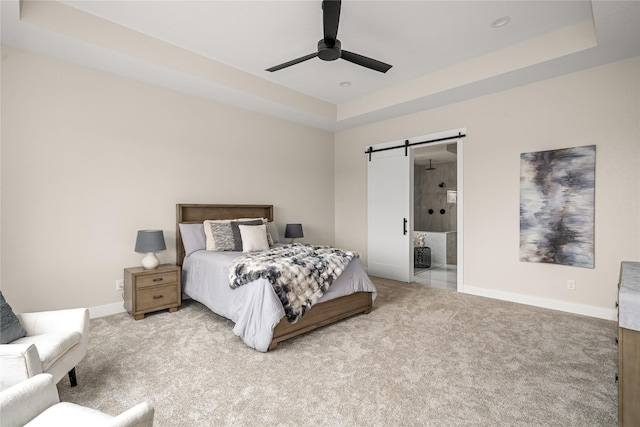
<point x="157" y="297"/>
<point x="157" y="279"/>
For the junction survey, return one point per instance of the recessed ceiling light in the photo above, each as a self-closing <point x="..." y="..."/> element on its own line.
<point x="501" y="22"/>
<point x="344" y="84"/>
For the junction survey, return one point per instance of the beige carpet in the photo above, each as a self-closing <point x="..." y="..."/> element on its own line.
<point x="421" y="357"/>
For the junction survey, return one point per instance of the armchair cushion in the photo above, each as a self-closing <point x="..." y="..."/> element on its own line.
<point x="72" y="414"/>
<point x="51" y="346"/>
<point x="10" y="327"/>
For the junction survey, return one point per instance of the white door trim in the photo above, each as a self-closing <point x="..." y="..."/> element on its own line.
<point x="460" y="214"/>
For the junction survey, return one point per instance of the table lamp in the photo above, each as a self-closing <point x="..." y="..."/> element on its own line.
<point x="150" y="242"/>
<point x="293" y="231"/>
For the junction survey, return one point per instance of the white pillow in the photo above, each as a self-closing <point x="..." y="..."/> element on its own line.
<point x="254" y="238"/>
<point x="265" y="221"/>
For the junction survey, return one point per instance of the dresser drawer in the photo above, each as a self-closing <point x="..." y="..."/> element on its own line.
<point x="156" y="279"/>
<point x="156" y="297"/>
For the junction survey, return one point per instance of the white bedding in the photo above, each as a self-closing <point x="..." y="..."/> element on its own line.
<point x="254" y="308"/>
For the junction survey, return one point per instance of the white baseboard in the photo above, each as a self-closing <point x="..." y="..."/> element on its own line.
<point x="114" y="308"/>
<point x="106" y="310"/>
<point x="585" y="310"/>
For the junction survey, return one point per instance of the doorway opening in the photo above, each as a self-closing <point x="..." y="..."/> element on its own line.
<point x="435" y="215"/>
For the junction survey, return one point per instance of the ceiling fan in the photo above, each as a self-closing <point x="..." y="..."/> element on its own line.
<point x="329" y="48"/>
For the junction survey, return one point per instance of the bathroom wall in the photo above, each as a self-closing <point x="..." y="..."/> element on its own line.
<point x="429" y="195"/>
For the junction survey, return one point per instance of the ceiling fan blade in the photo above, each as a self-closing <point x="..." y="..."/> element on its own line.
<point x="365" y="61"/>
<point x="293" y="62"/>
<point x="330" y="19"/>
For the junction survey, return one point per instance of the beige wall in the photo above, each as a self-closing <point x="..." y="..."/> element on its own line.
<point x="598" y="106"/>
<point x="88" y="158"/>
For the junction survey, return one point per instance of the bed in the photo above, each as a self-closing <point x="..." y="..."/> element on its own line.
<point x="255" y="309"/>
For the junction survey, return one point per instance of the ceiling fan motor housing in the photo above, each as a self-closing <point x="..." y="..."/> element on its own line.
<point x="328" y="52"/>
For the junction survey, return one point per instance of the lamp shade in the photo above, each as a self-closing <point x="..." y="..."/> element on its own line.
<point x="150" y="241"/>
<point x="293" y="231"/>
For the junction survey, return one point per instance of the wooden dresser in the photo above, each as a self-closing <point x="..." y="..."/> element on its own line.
<point x="151" y="290"/>
<point x="629" y="345"/>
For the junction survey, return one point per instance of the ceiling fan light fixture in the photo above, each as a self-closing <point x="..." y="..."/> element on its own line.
<point x="500" y="22"/>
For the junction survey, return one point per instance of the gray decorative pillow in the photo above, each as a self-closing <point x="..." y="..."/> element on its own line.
<point x="272" y="230"/>
<point x="270" y="238"/>
<point x="235" y="229"/>
<point x="223" y="236"/>
<point x="10" y="327"/>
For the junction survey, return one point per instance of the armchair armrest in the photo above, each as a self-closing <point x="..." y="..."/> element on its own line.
<point x="44" y="322"/>
<point x="18" y="362"/>
<point x="57" y="361"/>
<point x="24" y="401"/>
<point x="140" y="415"/>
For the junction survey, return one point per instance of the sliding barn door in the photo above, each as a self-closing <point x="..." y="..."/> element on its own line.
<point x="390" y="221"/>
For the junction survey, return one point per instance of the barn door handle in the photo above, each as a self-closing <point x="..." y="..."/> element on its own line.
<point x="404" y="226"/>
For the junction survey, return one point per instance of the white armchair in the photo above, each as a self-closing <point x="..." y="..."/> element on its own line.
<point x="35" y="402"/>
<point x="55" y="343"/>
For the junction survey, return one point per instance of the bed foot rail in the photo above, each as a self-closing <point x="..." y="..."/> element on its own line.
<point x="321" y="315"/>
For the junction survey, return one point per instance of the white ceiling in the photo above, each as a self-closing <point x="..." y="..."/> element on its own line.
<point x="441" y="51"/>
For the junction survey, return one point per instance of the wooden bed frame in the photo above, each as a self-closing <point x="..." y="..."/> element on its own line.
<point x="320" y="314"/>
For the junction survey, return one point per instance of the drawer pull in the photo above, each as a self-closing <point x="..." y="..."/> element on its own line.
<point x="158" y="296"/>
<point x="159" y="279"/>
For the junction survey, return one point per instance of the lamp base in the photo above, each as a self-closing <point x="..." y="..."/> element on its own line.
<point x="150" y="261"/>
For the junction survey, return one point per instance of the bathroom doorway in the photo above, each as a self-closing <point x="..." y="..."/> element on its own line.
<point x="435" y="216"/>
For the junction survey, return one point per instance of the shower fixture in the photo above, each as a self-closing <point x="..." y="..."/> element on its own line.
<point x="430" y="168"/>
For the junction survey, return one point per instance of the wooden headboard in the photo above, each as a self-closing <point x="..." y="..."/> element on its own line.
<point x="193" y="214"/>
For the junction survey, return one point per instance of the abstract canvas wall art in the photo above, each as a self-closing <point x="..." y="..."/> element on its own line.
<point x="557" y="205"/>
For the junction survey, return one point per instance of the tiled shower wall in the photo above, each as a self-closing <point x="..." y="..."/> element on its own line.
<point x="429" y="195"/>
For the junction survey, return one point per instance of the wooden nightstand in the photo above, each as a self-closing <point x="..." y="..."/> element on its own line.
<point x="151" y="290"/>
